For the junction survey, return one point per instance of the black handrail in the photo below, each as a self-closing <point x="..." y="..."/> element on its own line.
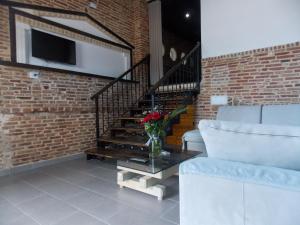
<point x="170" y="72"/>
<point x="118" y="96"/>
<point x="183" y="80"/>
<point x="146" y="58"/>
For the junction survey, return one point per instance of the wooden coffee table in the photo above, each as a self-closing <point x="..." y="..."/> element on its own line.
<point x="147" y="177"/>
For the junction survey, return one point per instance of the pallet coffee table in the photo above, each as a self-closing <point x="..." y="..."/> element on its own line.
<point x="147" y="176"/>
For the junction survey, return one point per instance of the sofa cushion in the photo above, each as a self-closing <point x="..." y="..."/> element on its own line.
<point x="248" y="114"/>
<point x="281" y="114"/>
<point x="261" y="144"/>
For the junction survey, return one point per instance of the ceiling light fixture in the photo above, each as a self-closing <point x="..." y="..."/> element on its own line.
<point x="187" y="15"/>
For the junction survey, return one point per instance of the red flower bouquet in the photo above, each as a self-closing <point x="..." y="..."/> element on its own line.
<point x="155" y="124"/>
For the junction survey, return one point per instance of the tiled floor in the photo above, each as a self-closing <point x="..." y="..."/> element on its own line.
<point x="81" y="192"/>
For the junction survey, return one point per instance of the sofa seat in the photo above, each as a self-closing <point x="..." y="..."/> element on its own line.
<point x="234" y="193"/>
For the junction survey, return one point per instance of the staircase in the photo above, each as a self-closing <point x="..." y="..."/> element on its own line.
<point x="120" y="105"/>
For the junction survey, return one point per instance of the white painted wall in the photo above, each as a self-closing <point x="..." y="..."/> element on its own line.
<point x="83" y="26"/>
<point x="90" y="58"/>
<point x="230" y="26"/>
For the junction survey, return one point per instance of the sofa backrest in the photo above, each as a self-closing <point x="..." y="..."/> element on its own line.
<point x="246" y="114"/>
<point x="281" y="114"/>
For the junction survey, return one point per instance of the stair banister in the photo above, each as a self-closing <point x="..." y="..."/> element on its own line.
<point x="117" y="96"/>
<point x="193" y="56"/>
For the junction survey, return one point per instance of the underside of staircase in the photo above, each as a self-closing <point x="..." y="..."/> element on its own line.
<point x="123" y="103"/>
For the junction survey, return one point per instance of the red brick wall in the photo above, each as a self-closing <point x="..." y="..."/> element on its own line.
<point x="141" y="29"/>
<point x="53" y="115"/>
<point x="263" y="76"/>
<point x="4" y="34"/>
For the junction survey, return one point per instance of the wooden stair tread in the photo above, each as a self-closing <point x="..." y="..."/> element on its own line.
<point x="130" y="118"/>
<point x="184" y="126"/>
<point x="164" y="99"/>
<point x="148" y="108"/>
<point x="125" y="141"/>
<point x="187" y="116"/>
<point x="182" y="90"/>
<point x="130" y="129"/>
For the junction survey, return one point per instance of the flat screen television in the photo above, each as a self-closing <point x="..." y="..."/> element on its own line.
<point x="53" y="48"/>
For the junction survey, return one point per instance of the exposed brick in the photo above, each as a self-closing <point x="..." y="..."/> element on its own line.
<point x="53" y="115"/>
<point x="250" y="78"/>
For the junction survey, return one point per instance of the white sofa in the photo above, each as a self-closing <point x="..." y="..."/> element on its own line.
<point x="192" y="140"/>
<point x="242" y="182"/>
<point x="266" y="114"/>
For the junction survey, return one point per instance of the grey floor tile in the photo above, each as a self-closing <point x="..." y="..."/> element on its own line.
<point x="96" y="205"/>
<point x="130" y="216"/>
<point x="104" y="173"/>
<point x="172" y="193"/>
<point x="68" y="174"/>
<point x="37" y="178"/>
<point x="19" y="192"/>
<point x="86" y="200"/>
<point x="108" y="163"/>
<point x="23" y="220"/>
<point x="80" y="218"/>
<point x="61" y="189"/>
<point x="82" y="164"/>
<point x="9" y="180"/>
<point x="161" y="222"/>
<point x="34" y="205"/>
<point x="3" y="202"/>
<point x="53" y="170"/>
<point x="144" y="202"/>
<point x="82" y="192"/>
<point x="74" y="176"/>
<point x="101" y="187"/>
<point x="9" y="214"/>
<point x="107" y="209"/>
<point x="53" y="213"/>
<point x="172" y="215"/>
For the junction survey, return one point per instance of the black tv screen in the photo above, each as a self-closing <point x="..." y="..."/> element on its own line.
<point x="50" y="47"/>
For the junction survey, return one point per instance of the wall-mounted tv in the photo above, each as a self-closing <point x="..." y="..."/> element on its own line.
<point x="53" y="48"/>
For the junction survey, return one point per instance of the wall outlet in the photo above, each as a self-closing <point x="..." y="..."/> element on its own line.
<point x="33" y="74"/>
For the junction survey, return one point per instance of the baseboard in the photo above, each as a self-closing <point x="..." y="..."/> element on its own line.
<point x="35" y="165"/>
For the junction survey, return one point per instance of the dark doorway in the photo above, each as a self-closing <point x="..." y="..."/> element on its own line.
<point x="180" y="29"/>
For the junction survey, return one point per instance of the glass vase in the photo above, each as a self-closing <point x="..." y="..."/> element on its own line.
<point x="156" y="146"/>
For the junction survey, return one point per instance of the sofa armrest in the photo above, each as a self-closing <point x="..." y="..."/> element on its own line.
<point x="214" y="191"/>
<point x="192" y="140"/>
<point x="242" y="172"/>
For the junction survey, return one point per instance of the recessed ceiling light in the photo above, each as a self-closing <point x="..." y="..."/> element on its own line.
<point x="187" y="15"/>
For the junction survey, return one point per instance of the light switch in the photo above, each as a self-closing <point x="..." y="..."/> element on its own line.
<point x="219" y="100"/>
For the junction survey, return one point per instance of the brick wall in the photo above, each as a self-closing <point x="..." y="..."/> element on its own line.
<point x="4" y="34"/>
<point x="53" y="115"/>
<point x="263" y="76"/>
